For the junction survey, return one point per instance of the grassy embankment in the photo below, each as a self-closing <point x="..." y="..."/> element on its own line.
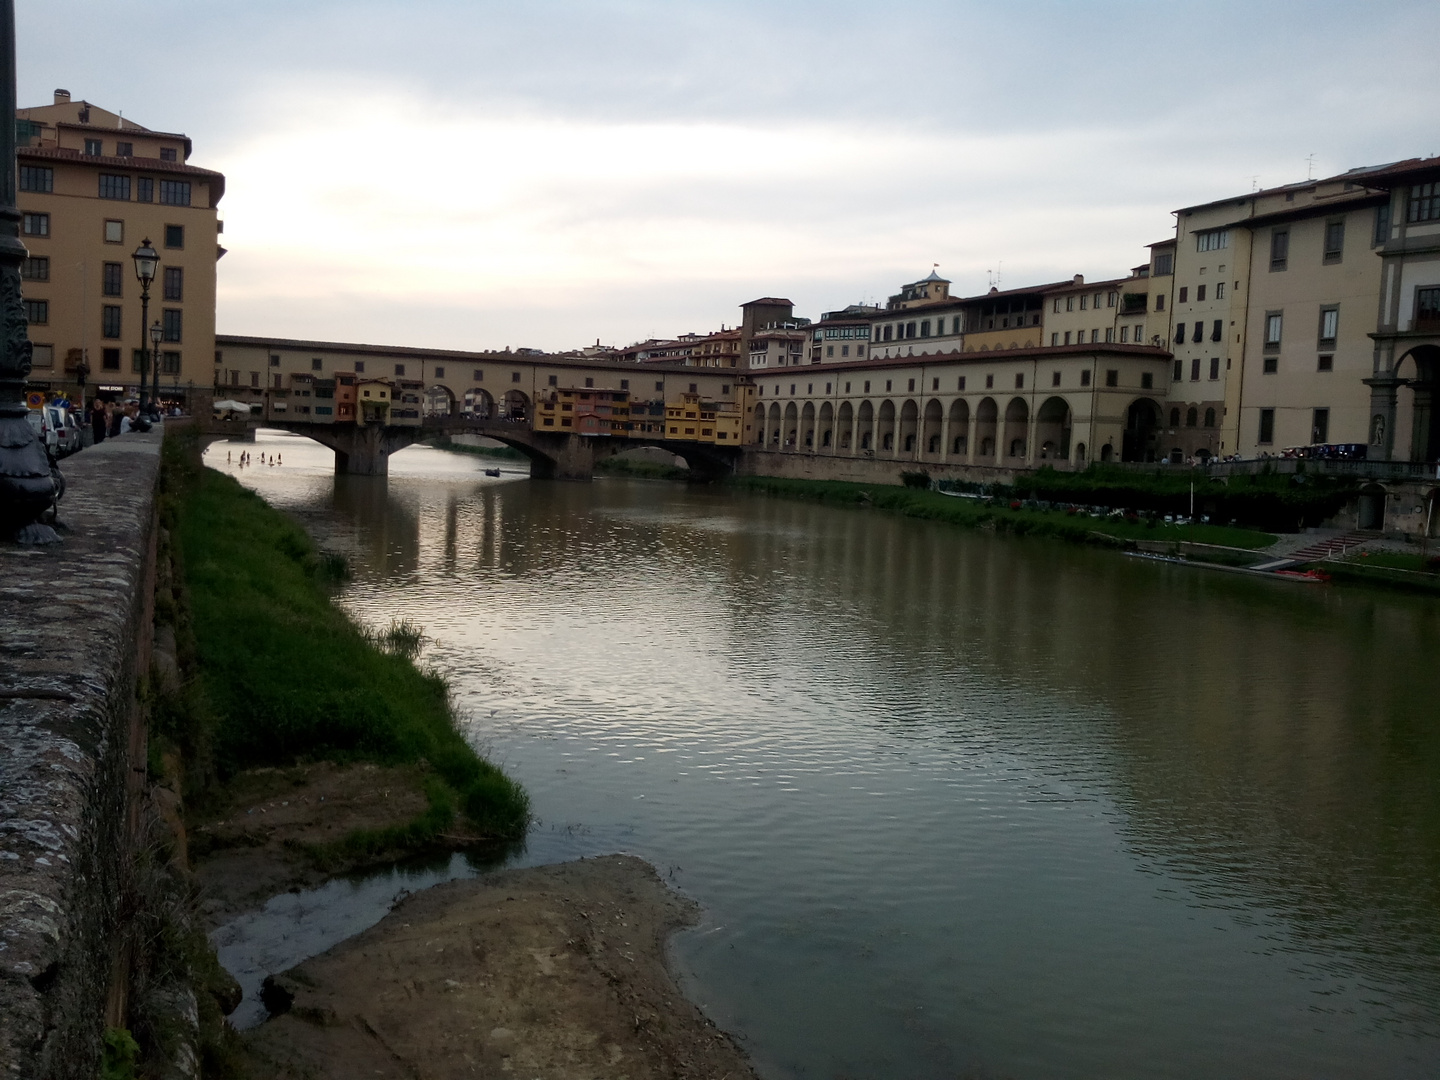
<point x="996" y="514"/>
<point x="505" y="453"/>
<point x="284" y="676"/>
<point x="1386" y="569"/>
<point x="642" y="469"/>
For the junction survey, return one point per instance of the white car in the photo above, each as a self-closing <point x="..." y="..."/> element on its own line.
<point x="67" y="430"/>
<point x="44" y="425"/>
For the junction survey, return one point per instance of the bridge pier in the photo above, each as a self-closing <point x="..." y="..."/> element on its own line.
<point x="562" y="457"/>
<point x="365" y="450"/>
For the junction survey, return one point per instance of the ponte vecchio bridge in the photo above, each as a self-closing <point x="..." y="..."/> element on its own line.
<point x="564" y="413"/>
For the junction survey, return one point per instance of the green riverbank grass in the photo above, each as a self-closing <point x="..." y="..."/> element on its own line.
<point x="983" y="514"/>
<point x="292" y="678"/>
<point x="505" y="453"/>
<point x="641" y="470"/>
<point x="1404" y="571"/>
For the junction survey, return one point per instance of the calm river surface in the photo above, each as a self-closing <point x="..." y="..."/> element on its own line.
<point x="955" y="805"/>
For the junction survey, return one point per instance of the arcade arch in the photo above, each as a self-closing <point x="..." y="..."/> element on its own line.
<point x="909" y="428"/>
<point x="885" y="428"/>
<point x="479" y="403"/>
<point x="1052" y="429"/>
<point x="866" y="436"/>
<point x="1017" y="429"/>
<point x="439" y="400"/>
<point x="515" y="405"/>
<point x="933" y="431"/>
<point x="959" y="428"/>
<point x="987" y="417"/>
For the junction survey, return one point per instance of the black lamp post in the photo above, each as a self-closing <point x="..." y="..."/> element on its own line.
<point x="145" y="263"/>
<point x="29" y="483"/>
<point x="156" y="333"/>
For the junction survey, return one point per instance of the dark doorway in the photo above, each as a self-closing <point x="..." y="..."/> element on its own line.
<point x="1142" y="424"/>
<point x="1370" y="510"/>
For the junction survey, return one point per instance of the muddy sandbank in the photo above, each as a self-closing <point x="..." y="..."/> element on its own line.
<point x="554" y="971"/>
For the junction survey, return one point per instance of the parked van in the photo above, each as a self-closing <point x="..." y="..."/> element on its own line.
<point x="67" y="430"/>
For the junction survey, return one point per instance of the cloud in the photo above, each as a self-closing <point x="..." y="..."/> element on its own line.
<point x="470" y="173"/>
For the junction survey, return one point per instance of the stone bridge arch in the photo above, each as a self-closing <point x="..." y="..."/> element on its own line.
<point x="515" y="406"/>
<point x="478" y="403"/>
<point x="439" y="400"/>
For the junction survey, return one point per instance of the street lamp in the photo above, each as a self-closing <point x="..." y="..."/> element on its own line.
<point x="28" y="481"/>
<point x="156" y="333"/>
<point x="146" y="260"/>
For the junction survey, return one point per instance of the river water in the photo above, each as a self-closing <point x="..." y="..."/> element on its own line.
<point x="955" y="805"/>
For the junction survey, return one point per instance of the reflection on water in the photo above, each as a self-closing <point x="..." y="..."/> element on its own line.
<point x="952" y="803"/>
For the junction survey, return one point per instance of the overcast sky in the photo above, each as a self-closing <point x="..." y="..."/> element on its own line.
<point x="481" y="174"/>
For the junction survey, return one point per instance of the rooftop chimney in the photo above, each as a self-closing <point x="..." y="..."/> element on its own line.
<point x="62" y="97"/>
<point x="1079" y="279"/>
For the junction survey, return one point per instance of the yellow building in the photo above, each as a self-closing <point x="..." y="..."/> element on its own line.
<point x="92" y="188"/>
<point x="373" y="397"/>
<point x="693" y="419"/>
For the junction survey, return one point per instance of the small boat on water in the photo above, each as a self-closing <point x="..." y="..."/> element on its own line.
<point x="492" y="472"/>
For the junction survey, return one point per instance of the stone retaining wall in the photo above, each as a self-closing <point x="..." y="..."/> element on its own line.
<point x="75" y="633"/>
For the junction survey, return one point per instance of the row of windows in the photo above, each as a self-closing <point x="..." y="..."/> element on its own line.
<point x="831" y="332"/>
<point x="1057" y="338"/>
<point x="1184" y="297"/>
<point x="1270" y="365"/>
<point x="1112" y="378"/>
<point x="172" y="192"/>
<point x="922" y="328"/>
<point x="1192" y="417"/>
<point x="96" y="148"/>
<point x="112" y="277"/>
<point x="1332" y="252"/>
<point x="438" y="372"/>
<point x="1110" y="301"/>
<point x="1329" y="328"/>
<point x="1425" y="202"/>
<point x="37" y="178"/>
<point x="1212" y="240"/>
<point x="110" y="360"/>
<point x="1195" y="369"/>
<point x="1217" y="331"/>
<point x="35" y="224"/>
<point x="1319" y="426"/>
<point x="171" y="322"/>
